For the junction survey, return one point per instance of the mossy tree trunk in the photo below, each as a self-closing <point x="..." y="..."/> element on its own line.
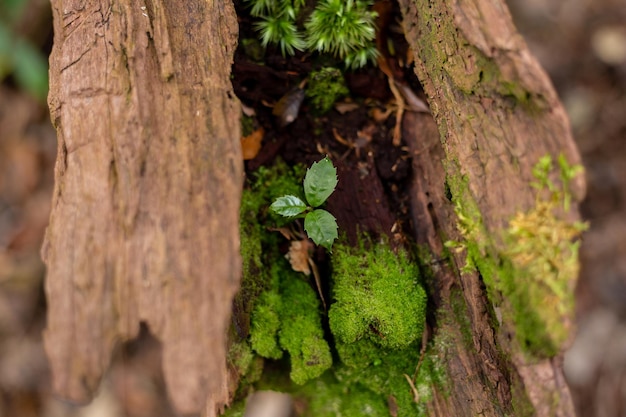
<point x="496" y="115"/>
<point x="144" y="225"/>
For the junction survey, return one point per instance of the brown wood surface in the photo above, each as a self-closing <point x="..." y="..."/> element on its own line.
<point x="494" y="125"/>
<point x="144" y="224"/>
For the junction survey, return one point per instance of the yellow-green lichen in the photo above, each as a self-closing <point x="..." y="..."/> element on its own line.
<point x="543" y="249"/>
<point x="532" y="278"/>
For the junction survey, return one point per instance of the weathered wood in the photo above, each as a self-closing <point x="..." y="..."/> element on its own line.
<point x="144" y="224"/>
<point x="497" y="114"/>
<point x="496" y="108"/>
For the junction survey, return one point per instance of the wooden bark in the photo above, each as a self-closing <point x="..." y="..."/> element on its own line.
<point x="144" y="224"/>
<point x="497" y="114"/>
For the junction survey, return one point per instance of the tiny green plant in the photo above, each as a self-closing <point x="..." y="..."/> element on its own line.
<point x="319" y="183"/>
<point x="343" y="28"/>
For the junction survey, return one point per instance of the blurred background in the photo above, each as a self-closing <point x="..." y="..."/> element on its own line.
<point x="580" y="43"/>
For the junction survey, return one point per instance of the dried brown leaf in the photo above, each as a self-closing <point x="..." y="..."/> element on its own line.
<point x="251" y="144"/>
<point x="346" y="106"/>
<point x="298" y="256"/>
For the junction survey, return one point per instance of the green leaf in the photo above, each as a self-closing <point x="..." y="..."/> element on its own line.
<point x="288" y="206"/>
<point x="321" y="227"/>
<point x="320" y="182"/>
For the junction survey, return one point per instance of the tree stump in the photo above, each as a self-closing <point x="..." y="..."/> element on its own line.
<point x="496" y="114"/>
<point x="144" y="222"/>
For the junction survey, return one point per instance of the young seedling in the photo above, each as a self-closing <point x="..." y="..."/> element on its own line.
<point x="319" y="183"/>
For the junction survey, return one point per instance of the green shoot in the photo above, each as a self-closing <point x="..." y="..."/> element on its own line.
<point x="319" y="183"/>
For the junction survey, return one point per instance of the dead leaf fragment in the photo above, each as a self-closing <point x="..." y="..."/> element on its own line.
<point x="346" y="106"/>
<point x="298" y="256"/>
<point x="251" y="144"/>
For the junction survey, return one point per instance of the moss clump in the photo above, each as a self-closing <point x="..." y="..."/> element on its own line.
<point x="301" y="333"/>
<point x="289" y="320"/>
<point x="377" y="297"/>
<point x="326" y="86"/>
<point x="265" y="326"/>
<point x="284" y="310"/>
<point x="267" y="184"/>
<point x="328" y="397"/>
<point x="377" y="319"/>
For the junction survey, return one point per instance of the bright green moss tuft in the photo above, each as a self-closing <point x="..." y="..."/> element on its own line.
<point x="301" y="333"/>
<point x="265" y="326"/>
<point x="287" y="318"/>
<point x="377" y="319"/>
<point x="377" y="297"/>
<point x="380" y="371"/>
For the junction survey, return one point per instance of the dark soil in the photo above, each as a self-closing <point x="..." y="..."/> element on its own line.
<point x="374" y="174"/>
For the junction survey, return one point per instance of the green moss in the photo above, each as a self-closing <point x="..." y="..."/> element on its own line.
<point x="301" y="333"/>
<point x="247" y="365"/>
<point x="326" y="86"/>
<point x="377" y="297"/>
<point x="377" y="319"/>
<point x="287" y="318"/>
<point x="235" y="410"/>
<point x="328" y="397"/>
<point x="532" y="277"/>
<point x="265" y="326"/>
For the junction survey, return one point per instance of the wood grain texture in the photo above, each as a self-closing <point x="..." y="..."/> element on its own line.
<point x="144" y="224"/>
<point x="496" y="108"/>
<point x="496" y="113"/>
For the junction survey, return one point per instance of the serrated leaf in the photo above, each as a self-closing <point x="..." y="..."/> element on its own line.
<point x="321" y="227"/>
<point x="320" y="182"/>
<point x="288" y="206"/>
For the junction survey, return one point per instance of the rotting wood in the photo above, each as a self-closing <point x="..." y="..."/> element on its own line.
<point x="433" y="216"/>
<point x="144" y="224"/>
<point x="497" y="114"/>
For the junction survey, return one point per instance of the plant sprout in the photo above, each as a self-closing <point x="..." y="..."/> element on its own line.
<point x="319" y="183"/>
